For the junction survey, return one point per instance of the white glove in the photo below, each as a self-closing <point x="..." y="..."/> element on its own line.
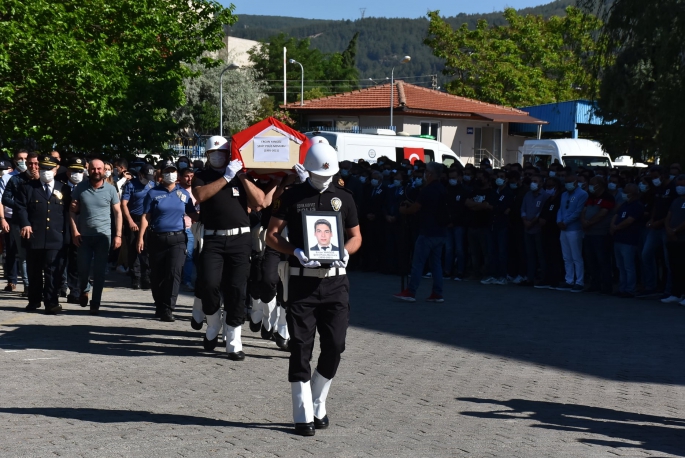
<point x="304" y="260"/>
<point x="301" y="172"/>
<point x="232" y="168"/>
<point x="342" y="263"/>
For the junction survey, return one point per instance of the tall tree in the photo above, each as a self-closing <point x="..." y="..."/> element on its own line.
<point x="529" y="61"/>
<point x="102" y="74"/>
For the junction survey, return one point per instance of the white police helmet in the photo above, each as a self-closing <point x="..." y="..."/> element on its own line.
<point x="319" y="139"/>
<point x="321" y="159"/>
<point x="216" y="143"/>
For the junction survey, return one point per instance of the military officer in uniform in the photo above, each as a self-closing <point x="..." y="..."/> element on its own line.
<point x="43" y="215"/>
<point x="163" y="210"/>
<point x="225" y="194"/>
<point x="318" y="296"/>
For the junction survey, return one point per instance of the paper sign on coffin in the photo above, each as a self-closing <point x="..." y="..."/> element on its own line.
<point x="269" y="147"/>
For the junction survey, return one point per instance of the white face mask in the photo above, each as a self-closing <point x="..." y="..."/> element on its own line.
<point x="318" y="182"/>
<point x="21" y="166"/>
<point x="217" y="159"/>
<point x="76" y="177"/>
<point x="108" y="173"/>
<point x="46" y="176"/>
<point x="170" y="177"/>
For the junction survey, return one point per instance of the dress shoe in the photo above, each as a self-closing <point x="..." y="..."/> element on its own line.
<point x="135" y="284"/>
<point x="255" y="327"/>
<point x="145" y="284"/>
<point x="194" y="324"/>
<point x="10" y="287"/>
<point x="237" y="356"/>
<point x="63" y="293"/>
<point x="281" y="342"/>
<point x="321" y="424"/>
<point x="267" y="335"/>
<point x="83" y="300"/>
<point x="25" y="293"/>
<point x="73" y="300"/>
<point x="167" y="317"/>
<point x="54" y="310"/>
<point x="94" y="308"/>
<point x="305" y="429"/>
<point x="210" y="344"/>
<point x="32" y="307"/>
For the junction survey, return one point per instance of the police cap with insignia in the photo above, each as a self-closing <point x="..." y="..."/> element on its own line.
<point x="166" y="164"/>
<point x="76" y="163"/>
<point x="4" y="164"/>
<point x="47" y="163"/>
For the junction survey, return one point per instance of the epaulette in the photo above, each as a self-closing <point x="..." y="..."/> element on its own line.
<point x="343" y="188"/>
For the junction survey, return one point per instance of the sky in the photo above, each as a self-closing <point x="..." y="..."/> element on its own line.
<point x="349" y="9"/>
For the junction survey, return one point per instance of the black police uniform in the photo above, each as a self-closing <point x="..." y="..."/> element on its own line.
<point x="76" y="165"/>
<point x="315" y="303"/>
<point x="225" y="259"/>
<point x="167" y="239"/>
<point x="48" y="217"/>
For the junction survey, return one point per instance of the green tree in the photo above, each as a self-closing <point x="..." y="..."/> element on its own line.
<point x="102" y="74"/>
<point x="531" y="60"/>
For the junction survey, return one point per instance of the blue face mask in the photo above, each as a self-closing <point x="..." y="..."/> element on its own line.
<point x="418" y="182"/>
<point x="386" y="172"/>
<point x="499" y="181"/>
<point x="551" y="192"/>
<point x="345" y="172"/>
<point x="591" y="188"/>
<point x="570" y="187"/>
<point x="680" y="190"/>
<point x="467" y="178"/>
<point x="643" y="187"/>
<point x="362" y="180"/>
<point x="533" y="186"/>
<point x="381" y="162"/>
<point x="624" y="196"/>
<point x="453" y="182"/>
<point x="513" y="185"/>
<point x="374" y="182"/>
<point x="612" y="186"/>
<point x="552" y="173"/>
<point x="397" y="182"/>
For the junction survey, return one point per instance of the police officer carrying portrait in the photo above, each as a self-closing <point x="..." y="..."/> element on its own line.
<point x="224" y="194"/>
<point x="132" y="199"/>
<point x="317" y="296"/>
<point x="43" y="215"/>
<point x="163" y="210"/>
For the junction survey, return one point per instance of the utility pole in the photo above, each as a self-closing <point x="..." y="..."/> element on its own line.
<point x="363" y="11"/>
<point x="434" y="82"/>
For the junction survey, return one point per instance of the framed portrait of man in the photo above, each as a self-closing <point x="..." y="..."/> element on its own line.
<point x="323" y="236"/>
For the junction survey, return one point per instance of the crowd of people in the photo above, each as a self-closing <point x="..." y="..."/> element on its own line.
<point x="549" y="227"/>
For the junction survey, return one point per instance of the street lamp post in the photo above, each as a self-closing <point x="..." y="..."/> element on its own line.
<point x="293" y="61"/>
<point x="233" y="66"/>
<point x="392" y="88"/>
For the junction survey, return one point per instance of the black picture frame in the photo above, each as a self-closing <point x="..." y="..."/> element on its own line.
<point x="311" y="219"/>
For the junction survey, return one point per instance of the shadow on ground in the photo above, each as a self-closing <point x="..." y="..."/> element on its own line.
<point x="626" y="429"/>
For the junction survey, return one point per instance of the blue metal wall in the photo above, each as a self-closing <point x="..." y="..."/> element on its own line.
<point x="562" y="117"/>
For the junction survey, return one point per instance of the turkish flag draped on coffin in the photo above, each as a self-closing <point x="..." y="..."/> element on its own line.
<point x="414" y="154"/>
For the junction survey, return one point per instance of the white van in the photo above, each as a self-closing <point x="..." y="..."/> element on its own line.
<point x="570" y="152"/>
<point x="353" y="147"/>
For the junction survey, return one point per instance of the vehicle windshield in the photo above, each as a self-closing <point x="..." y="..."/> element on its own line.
<point x="330" y="137"/>
<point x="586" y="161"/>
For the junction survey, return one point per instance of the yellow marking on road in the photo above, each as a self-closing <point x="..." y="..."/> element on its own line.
<point x="13" y="320"/>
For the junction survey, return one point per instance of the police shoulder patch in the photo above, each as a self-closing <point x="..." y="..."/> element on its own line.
<point x="336" y="203"/>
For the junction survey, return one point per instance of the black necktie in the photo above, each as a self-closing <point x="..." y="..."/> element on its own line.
<point x="47" y="190"/>
<point x="324" y="248"/>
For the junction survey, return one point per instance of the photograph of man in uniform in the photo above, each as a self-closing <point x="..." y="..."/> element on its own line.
<point x="322" y="235"/>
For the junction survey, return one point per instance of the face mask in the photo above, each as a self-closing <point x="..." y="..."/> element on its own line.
<point x="318" y="182"/>
<point x="592" y="189"/>
<point x="453" y="182"/>
<point x="467" y="178"/>
<point x="551" y="192"/>
<point x="513" y="185"/>
<point x="680" y="190"/>
<point x="345" y="172"/>
<point x="374" y="182"/>
<point x="570" y="187"/>
<point x="656" y="182"/>
<point x="46" y="176"/>
<point x="418" y="182"/>
<point x="533" y="186"/>
<point x="170" y="177"/>
<point x="416" y="167"/>
<point x="381" y="162"/>
<point x="552" y="173"/>
<point x="612" y="186"/>
<point x="386" y="172"/>
<point x="643" y="187"/>
<point x="583" y="186"/>
<point x="499" y="181"/>
<point x="217" y="159"/>
<point x="108" y="173"/>
<point x="76" y="177"/>
<point x="397" y="183"/>
<point x="624" y="196"/>
<point x="21" y="166"/>
<point x="362" y="180"/>
<point x="670" y="177"/>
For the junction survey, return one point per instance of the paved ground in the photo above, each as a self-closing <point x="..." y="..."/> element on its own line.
<point x="494" y="371"/>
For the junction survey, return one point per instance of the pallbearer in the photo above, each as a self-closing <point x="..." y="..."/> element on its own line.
<point x="318" y="296"/>
<point x="164" y="207"/>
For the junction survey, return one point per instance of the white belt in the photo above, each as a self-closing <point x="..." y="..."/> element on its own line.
<point x="317" y="273"/>
<point x="228" y="232"/>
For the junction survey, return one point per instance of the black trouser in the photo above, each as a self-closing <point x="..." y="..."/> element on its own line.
<point x="597" y="250"/>
<point x="676" y="253"/>
<point x="554" y="261"/>
<point x="317" y="305"/>
<point x="138" y="263"/>
<point x="49" y="264"/>
<point x="167" y="256"/>
<point x="10" y="267"/>
<point x="225" y="265"/>
<point x="72" y="272"/>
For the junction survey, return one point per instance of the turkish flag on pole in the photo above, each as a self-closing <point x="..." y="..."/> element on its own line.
<point x="414" y="154"/>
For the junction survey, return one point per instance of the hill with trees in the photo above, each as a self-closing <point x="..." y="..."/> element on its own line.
<point x="381" y="41"/>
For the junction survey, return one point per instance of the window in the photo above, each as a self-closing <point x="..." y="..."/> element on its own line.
<point x="430" y="155"/>
<point x="431" y="128"/>
<point x="316" y="124"/>
<point x="447" y="161"/>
